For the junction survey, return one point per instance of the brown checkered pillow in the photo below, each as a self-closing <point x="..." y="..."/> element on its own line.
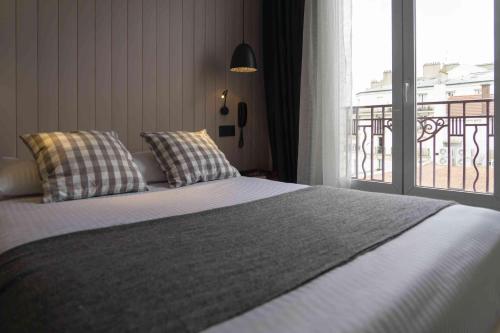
<point x="83" y="164"/>
<point x="189" y="157"/>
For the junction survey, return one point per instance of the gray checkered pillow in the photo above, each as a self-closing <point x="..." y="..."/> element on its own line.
<point x="83" y="164"/>
<point x="189" y="157"/>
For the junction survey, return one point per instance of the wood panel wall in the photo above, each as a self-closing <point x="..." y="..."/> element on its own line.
<point x="129" y="66"/>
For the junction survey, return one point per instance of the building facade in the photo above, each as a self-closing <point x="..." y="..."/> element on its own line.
<point x="439" y="87"/>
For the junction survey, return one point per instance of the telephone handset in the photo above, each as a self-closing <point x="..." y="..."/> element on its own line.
<point x="242" y="120"/>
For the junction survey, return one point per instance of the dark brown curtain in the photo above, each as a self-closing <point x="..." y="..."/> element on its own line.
<point x="283" y="22"/>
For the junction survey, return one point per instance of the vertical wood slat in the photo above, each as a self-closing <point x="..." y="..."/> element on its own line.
<point x="220" y="67"/>
<point x="119" y="68"/>
<point x="149" y="28"/>
<point x="27" y="71"/>
<point x="68" y="68"/>
<point x="163" y="65"/>
<point x="252" y="37"/>
<point x="262" y="147"/>
<point x="210" y="64"/>
<point x="200" y="64"/>
<point x="86" y="64"/>
<point x="8" y="140"/>
<point x="188" y="65"/>
<point x="134" y="76"/>
<point x="176" y="77"/>
<point x="48" y="76"/>
<point x="103" y="65"/>
<point x="129" y="66"/>
<point x="233" y="38"/>
<point x="246" y="95"/>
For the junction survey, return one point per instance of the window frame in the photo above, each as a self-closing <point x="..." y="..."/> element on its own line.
<point x="404" y="106"/>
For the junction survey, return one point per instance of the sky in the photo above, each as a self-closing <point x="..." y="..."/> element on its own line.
<point x="446" y="30"/>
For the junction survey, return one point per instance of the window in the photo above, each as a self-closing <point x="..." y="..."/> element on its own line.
<point x="421" y="97"/>
<point x="446" y="145"/>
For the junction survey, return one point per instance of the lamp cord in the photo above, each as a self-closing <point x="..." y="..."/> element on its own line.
<point x="243" y="12"/>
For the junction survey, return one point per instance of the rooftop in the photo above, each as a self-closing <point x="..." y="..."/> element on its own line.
<point x="437" y="73"/>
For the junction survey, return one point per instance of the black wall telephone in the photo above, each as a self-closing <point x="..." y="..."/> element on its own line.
<point x="242" y="120"/>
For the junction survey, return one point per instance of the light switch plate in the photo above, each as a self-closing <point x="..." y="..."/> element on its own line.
<point x="226" y="130"/>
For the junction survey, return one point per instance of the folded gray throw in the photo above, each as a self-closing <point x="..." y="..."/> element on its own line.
<point x="189" y="272"/>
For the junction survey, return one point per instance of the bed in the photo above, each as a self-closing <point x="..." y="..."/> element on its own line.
<point x="440" y="276"/>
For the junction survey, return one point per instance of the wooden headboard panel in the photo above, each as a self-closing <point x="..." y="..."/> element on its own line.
<point x="128" y="66"/>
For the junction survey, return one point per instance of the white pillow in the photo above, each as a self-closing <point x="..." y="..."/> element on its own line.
<point x="149" y="167"/>
<point x="21" y="177"/>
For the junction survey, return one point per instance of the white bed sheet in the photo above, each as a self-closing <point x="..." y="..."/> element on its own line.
<point x="441" y="276"/>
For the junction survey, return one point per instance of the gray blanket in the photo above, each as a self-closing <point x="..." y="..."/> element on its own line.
<point x="189" y="272"/>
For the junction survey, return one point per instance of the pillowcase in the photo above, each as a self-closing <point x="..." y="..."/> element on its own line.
<point x="189" y="157"/>
<point x="150" y="169"/>
<point x="19" y="177"/>
<point x="83" y="164"/>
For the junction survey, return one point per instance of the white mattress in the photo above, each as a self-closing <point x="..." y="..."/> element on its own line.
<point x="441" y="276"/>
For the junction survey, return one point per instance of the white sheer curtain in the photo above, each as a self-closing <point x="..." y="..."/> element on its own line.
<point x="326" y="94"/>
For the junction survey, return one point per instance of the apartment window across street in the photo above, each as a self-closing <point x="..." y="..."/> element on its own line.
<point x="424" y="112"/>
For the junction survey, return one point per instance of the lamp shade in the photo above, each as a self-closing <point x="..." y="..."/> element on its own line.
<point x="243" y="60"/>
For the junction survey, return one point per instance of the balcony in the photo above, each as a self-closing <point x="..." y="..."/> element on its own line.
<point x="454" y="144"/>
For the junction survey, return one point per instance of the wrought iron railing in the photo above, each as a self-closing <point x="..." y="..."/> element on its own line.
<point x="454" y="144"/>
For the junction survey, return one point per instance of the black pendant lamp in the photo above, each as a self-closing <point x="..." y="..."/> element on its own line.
<point x="243" y="59"/>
